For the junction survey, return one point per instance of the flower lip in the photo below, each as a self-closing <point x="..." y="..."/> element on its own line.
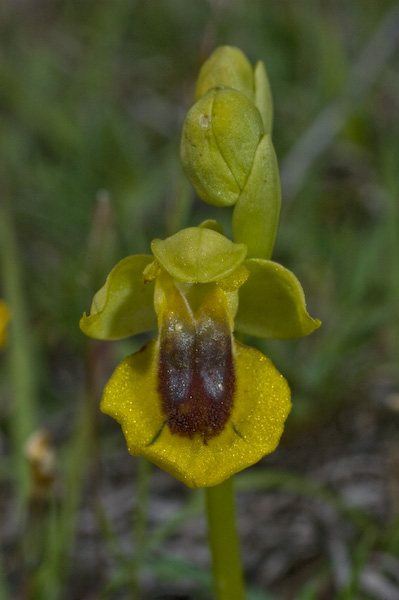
<point x="261" y="405"/>
<point x="198" y="255"/>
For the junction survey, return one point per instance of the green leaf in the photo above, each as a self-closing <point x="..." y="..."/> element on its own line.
<point x="272" y="303"/>
<point x="198" y="255"/>
<point x="124" y="305"/>
<point x="257" y="212"/>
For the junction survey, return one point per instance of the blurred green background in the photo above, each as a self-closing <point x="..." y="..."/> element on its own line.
<point x="92" y="99"/>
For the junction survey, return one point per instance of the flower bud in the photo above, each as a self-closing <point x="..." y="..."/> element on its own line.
<point x="227" y="66"/>
<point x="220" y="136"/>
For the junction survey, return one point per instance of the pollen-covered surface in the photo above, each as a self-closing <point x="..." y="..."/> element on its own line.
<point x="261" y="405"/>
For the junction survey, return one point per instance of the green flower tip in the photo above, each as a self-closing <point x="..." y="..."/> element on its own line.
<point x="195" y="401"/>
<point x="228" y="66"/>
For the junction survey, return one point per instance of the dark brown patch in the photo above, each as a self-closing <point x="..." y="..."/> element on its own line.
<point x="196" y="376"/>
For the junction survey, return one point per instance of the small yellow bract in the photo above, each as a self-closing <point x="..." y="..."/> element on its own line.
<point x="4" y="318"/>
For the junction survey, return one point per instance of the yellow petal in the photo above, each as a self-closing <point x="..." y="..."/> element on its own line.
<point x="131" y="397"/>
<point x="261" y="405"/>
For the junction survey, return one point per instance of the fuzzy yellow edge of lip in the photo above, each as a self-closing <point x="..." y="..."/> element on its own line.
<point x="261" y="406"/>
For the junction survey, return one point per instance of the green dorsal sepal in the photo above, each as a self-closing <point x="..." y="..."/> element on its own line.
<point x="198" y="255"/>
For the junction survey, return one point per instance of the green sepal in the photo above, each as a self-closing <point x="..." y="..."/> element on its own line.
<point x="124" y="305"/>
<point x="202" y="161"/>
<point x="272" y="303"/>
<point x="257" y="212"/>
<point x="238" y="129"/>
<point x="263" y="96"/>
<point x="198" y="255"/>
<point x="226" y="66"/>
<point x="220" y="135"/>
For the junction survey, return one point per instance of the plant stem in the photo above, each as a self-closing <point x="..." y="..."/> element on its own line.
<point x="223" y="540"/>
<point x="140" y="524"/>
<point x="23" y="416"/>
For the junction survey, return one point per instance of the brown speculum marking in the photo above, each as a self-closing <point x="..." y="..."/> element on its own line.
<point x="196" y="375"/>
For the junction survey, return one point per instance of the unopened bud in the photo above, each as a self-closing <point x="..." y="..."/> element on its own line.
<point x="228" y="66"/>
<point x="220" y="136"/>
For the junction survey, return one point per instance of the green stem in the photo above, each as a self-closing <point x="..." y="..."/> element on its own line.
<point x="23" y="416"/>
<point x="140" y="523"/>
<point x="223" y="539"/>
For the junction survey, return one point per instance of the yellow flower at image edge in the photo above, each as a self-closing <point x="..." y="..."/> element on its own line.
<point x="195" y="401"/>
<point x="4" y="318"/>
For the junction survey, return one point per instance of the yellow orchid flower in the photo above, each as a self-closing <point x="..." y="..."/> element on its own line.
<point x="4" y="318"/>
<point x="195" y="401"/>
